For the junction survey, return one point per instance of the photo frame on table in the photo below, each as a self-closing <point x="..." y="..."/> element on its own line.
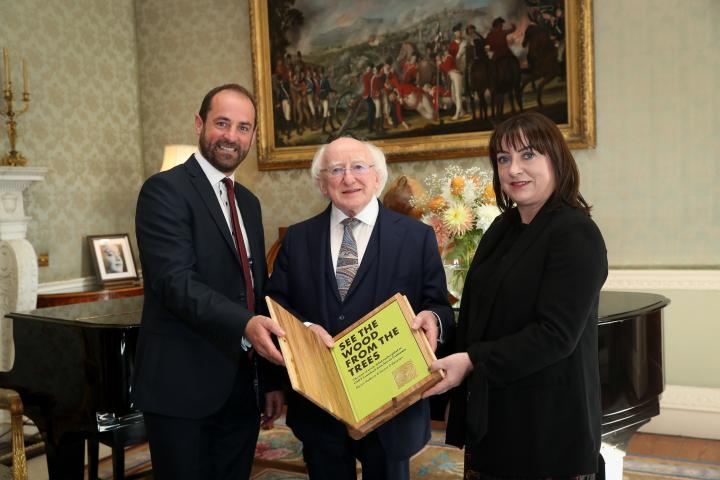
<point x="552" y="46"/>
<point x="113" y="258"/>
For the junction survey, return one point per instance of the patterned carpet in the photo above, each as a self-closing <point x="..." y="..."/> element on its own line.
<point x="278" y="456"/>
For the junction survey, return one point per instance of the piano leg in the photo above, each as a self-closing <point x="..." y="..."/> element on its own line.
<point x="118" y="455"/>
<point x="93" y="451"/>
<point x="614" y="447"/>
<point x="66" y="460"/>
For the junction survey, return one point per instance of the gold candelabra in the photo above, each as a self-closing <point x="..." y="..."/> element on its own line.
<point x="13" y="158"/>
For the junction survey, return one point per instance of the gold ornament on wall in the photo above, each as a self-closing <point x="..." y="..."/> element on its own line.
<point x="13" y="158"/>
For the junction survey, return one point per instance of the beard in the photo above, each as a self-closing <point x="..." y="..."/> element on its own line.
<point x="224" y="162"/>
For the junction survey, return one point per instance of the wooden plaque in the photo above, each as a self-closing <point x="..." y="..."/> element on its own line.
<point x="377" y="368"/>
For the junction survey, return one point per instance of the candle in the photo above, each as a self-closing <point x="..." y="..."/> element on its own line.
<point x="7" y="69"/>
<point x="25" y="90"/>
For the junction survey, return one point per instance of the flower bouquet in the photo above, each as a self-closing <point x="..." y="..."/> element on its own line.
<point x="460" y="206"/>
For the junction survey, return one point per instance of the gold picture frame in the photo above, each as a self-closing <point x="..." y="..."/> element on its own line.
<point x="579" y="131"/>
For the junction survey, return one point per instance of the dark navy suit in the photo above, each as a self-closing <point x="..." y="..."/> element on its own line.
<point x="190" y="369"/>
<point x="401" y="256"/>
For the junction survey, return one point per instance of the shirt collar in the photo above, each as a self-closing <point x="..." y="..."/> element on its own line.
<point x="214" y="175"/>
<point x="368" y="215"/>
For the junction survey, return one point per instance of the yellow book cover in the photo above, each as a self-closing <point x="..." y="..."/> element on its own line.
<point x="378" y="360"/>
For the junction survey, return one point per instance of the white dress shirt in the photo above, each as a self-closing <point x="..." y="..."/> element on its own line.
<point x="361" y="232"/>
<point x="215" y="177"/>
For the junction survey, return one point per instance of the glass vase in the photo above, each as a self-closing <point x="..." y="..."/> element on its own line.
<point x="455" y="272"/>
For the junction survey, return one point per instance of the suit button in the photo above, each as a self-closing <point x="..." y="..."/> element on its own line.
<point x="242" y="296"/>
<point x="341" y="317"/>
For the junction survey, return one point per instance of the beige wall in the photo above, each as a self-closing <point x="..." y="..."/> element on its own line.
<point x="691" y="332"/>
<point x="653" y="178"/>
<point x="83" y="123"/>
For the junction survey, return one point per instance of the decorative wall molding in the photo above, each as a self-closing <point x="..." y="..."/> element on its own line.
<point x="687" y="412"/>
<point x="663" y="280"/>
<point x="617" y="280"/>
<point x="73" y="285"/>
<point x="691" y="398"/>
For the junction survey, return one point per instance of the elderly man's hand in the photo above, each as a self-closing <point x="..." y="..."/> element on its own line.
<point x="457" y="366"/>
<point x="428" y="321"/>
<point x="273" y="407"/>
<point x="324" y="335"/>
<point x="258" y="332"/>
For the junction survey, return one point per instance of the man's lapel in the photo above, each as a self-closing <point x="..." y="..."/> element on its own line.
<point x="202" y="185"/>
<point x="319" y="245"/>
<point x="391" y="237"/>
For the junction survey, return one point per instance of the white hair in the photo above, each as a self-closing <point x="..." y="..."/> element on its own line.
<point x="374" y="153"/>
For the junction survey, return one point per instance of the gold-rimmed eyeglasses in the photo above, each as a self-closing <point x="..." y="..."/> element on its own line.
<point x="357" y="170"/>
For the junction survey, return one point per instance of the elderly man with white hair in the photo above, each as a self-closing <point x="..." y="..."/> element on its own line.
<point x="335" y="268"/>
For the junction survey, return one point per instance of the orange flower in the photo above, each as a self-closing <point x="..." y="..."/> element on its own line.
<point x="456" y="185"/>
<point x="475" y="180"/>
<point x="437" y="204"/>
<point x="489" y="195"/>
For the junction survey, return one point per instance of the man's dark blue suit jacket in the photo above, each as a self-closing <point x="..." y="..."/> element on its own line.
<point x="401" y="257"/>
<point x="195" y="310"/>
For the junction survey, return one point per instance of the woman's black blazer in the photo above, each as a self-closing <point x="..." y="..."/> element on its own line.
<point x="533" y="408"/>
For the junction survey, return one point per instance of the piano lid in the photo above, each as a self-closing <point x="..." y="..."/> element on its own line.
<point x="121" y="311"/>
<point x="616" y="306"/>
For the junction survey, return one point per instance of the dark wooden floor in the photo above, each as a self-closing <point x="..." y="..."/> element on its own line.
<point x="683" y="448"/>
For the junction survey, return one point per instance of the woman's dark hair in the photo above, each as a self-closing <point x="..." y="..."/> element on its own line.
<point x="207" y="101"/>
<point x="539" y="133"/>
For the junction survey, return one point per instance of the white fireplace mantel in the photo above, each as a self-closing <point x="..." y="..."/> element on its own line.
<point x="18" y="261"/>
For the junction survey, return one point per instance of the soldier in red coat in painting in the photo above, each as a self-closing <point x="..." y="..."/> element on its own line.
<point x="376" y="88"/>
<point x="412" y="98"/>
<point x="439" y="94"/>
<point x="410" y="70"/>
<point x="446" y="64"/>
<point x="497" y="39"/>
<point x="282" y="70"/>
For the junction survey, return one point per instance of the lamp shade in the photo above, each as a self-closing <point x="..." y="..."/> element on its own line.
<point x="176" y="154"/>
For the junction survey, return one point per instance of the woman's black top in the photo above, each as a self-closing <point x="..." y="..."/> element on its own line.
<point x="475" y="282"/>
<point x="528" y="322"/>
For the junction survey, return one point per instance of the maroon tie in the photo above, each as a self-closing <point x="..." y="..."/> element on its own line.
<point x="240" y="242"/>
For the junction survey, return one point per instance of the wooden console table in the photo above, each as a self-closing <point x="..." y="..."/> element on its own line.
<point x="59" y="299"/>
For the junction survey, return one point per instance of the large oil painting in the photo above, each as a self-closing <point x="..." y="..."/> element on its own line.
<point x="421" y="79"/>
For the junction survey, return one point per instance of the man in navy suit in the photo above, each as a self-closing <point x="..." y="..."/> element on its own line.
<point x="335" y="268"/>
<point x="198" y="382"/>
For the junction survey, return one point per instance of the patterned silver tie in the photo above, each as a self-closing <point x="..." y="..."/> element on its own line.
<point x="347" y="263"/>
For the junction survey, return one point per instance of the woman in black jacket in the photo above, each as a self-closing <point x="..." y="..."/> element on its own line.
<point x="526" y="389"/>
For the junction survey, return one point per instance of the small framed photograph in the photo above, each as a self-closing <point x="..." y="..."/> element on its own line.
<point x="113" y="258"/>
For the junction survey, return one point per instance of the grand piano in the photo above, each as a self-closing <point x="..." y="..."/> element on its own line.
<point x="632" y="375"/>
<point x="73" y="366"/>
